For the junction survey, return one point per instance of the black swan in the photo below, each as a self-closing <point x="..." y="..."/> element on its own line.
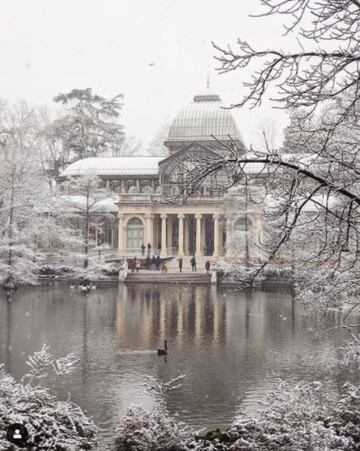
<point x="163" y="351"/>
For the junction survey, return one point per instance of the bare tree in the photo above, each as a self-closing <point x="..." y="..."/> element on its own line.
<point x="81" y="204"/>
<point x="311" y="184"/>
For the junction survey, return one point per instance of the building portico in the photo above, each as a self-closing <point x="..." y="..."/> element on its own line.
<point x="172" y="232"/>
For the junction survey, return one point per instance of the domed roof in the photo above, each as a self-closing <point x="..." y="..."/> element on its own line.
<point x="202" y="119"/>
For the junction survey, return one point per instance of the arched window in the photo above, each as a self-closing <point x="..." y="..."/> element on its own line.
<point x="135" y="234"/>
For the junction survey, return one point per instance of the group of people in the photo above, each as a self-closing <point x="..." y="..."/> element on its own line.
<point x="154" y="262"/>
<point x="193" y="264"/>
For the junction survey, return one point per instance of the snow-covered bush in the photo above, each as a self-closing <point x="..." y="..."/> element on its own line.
<point x="238" y="273"/>
<point x="54" y="270"/>
<point x="300" y="418"/>
<point x="294" y="418"/>
<point x="156" y="429"/>
<point x="52" y="424"/>
<point x="351" y="353"/>
<point x="18" y="264"/>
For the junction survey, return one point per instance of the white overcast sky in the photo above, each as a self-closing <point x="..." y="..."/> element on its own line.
<point x="53" y="46"/>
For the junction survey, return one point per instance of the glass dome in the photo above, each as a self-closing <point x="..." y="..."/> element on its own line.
<point x="202" y="119"/>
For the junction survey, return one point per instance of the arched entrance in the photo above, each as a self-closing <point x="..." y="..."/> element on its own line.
<point x="134" y="234"/>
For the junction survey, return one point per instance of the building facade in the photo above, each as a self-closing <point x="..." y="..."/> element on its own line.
<point x="207" y="224"/>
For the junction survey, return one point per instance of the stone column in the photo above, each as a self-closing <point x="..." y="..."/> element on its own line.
<point x="121" y="238"/>
<point x="216" y="217"/>
<point x="181" y="217"/>
<point x="163" y="217"/>
<point x="229" y="237"/>
<point x="198" y="235"/>
<point x="149" y="236"/>
<point x="169" y="232"/>
<point x="203" y="235"/>
<point x="186" y="238"/>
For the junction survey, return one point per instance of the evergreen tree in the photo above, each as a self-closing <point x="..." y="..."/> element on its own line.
<point x="90" y="126"/>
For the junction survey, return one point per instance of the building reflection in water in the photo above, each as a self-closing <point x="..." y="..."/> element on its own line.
<point x="222" y="341"/>
<point x="228" y="343"/>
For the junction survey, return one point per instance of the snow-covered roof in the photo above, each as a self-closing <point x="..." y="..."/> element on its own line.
<point x="114" y="166"/>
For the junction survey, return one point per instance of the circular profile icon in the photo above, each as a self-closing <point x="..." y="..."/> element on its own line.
<point x="17" y="434"/>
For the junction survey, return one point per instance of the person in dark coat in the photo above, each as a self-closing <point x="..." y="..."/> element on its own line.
<point x="158" y="262"/>
<point x="148" y="261"/>
<point x="207" y="266"/>
<point x="193" y="263"/>
<point x="148" y="248"/>
<point x="180" y="264"/>
<point x="153" y="263"/>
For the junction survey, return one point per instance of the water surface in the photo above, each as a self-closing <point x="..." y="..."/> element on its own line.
<point x="231" y="345"/>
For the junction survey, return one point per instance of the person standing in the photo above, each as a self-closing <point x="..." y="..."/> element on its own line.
<point x="148" y="261"/>
<point x="153" y="263"/>
<point x="193" y="263"/>
<point x="207" y="267"/>
<point x="158" y="262"/>
<point x="180" y="264"/>
<point x="148" y="248"/>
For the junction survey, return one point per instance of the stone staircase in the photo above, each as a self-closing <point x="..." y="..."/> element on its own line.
<point x="170" y="277"/>
<point x="174" y="275"/>
<point x="173" y="265"/>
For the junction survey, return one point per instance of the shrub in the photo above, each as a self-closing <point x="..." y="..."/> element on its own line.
<point x="52" y="424"/>
<point x="156" y="429"/>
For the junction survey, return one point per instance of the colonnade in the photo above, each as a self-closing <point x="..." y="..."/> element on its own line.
<point x="158" y="228"/>
<point x="187" y="233"/>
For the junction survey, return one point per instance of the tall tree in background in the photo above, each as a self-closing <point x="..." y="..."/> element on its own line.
<point x="21" y="192"/>
<point x="90" y="126"/>
<point x="81" y="203"/>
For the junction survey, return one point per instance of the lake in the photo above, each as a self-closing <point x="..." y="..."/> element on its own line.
<point x="231" y="345"/>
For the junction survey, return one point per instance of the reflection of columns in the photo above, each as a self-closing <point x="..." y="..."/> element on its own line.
<point x="198" y="234"/>
<point x="181" y="217"/>
<point x="121" y="244"/>
<point x="163" y="217"/>
<point x="216" y="235"/>
<point x="149" y="235"/>
<point x="187" y="238"/>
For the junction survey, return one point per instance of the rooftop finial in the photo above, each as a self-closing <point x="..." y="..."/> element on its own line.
<point x="208" y="82"/>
